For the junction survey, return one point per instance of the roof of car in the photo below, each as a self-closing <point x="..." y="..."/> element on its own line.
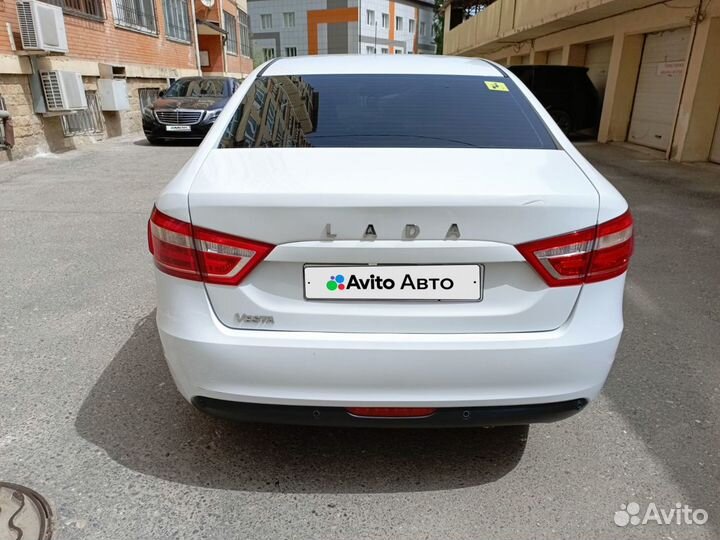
<point x="204" y="78"/>
<point x="407" y="64"/>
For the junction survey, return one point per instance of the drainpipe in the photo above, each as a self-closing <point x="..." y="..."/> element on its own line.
<point x="696" y="20"/>
<point x="196" y="38"/>
<point x="359" y="25"/>
<point x="223" y="39"/>
<point x="9" y="138"/>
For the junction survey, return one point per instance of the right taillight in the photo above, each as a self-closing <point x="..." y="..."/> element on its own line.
<point x="585" y="256"/>
<point x="188" y="252"/>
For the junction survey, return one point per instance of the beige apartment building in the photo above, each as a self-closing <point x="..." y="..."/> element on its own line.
<point x="655" y="63"/>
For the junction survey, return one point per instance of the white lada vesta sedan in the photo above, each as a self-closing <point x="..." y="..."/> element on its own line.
<point x="389" y="241"/>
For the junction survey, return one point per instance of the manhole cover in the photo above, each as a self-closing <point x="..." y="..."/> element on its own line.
<point x="24" y="514"/>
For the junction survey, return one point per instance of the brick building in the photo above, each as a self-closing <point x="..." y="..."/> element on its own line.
<point x="299" y="27"/>
<point x="145" y="43"/>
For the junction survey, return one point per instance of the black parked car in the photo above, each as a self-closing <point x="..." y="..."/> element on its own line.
<point x="188" y="109"/>
<point x="567" y="93"/>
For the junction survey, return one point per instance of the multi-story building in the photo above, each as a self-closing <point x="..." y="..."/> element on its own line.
<point x="656" y="63"/>
<point x="295" y="27"/>
<point x="141" y="44"/>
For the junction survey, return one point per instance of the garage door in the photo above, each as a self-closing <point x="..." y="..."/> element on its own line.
<point x="715" y="152"/>
<point x="597" y="60"/>
<point x="554" y="57"/>
<point x="658" y="88"/>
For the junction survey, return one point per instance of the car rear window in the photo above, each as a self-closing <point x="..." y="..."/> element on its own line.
<point x="395" y="111"/>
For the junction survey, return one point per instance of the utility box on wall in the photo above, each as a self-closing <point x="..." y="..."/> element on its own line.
<point x="113" y="94"/>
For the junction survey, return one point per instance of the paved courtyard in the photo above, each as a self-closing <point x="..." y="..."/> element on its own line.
<point x="91" y="419"/>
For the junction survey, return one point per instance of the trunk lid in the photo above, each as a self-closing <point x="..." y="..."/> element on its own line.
<point x="496" y="198"/>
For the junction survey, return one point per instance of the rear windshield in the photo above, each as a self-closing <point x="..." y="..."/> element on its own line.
<point x="396" y="111"/>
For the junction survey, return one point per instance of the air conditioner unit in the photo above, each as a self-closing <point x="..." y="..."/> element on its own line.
<point x="42" y="27"/>
<point x="64" y="91"/>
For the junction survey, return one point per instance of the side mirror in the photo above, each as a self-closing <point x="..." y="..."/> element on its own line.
<point x="162" y="92"/>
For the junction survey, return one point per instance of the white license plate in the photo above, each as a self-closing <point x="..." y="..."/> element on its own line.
<point x="177" y="128"/>
<point x="433" y="282"/>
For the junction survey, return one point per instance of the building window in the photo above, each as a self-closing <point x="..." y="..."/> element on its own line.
<point x="411" y="26"/>
<point x="91" y="9"/>
<point x="289" y="19"/>
<point x="177" y="23"/>
<point x="231" y="42"/>
<point x="370" y="49"/>
<point x="384" y="50"/>
<point x="85" y="122"/>
<point x="250" y="132"/>
<point x="136" y="14"/>
<point x="266" y="21"/>
<point x="371" y="17"/>
<point x="423" y="28"/>
<point x="270" y="117"/>
<point x="385" y="20"/>
<point x="259" y="100"/>
<point x="398" y="50"/>
<point x="268" y="53"/>
<point x="290" y="51"/>
<point x="398" y="24"/>
<point x="244" y="34"/>
<point x="147" y="97"/>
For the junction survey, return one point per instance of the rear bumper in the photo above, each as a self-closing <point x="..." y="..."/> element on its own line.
<point x="325" y="369"/>
<point x="338" y="417"/>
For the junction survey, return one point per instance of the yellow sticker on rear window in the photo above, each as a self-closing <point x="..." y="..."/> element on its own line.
<point x="496" y="86"/>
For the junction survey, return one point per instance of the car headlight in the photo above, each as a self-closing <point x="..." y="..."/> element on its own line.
<point x="211" y="116"/>
<point x="148" y="113"/>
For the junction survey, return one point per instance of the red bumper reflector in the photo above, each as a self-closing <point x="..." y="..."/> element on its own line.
<point x="391" y="412"/>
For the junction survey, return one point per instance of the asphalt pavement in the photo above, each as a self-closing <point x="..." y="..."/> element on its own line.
<point x="91" y="420"/>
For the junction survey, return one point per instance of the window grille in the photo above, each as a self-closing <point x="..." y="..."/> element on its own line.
<point x="177" y="23"/>
<point x="90" y="9"/>
<point x="86" y="122"/>
<point x="231" y="42"/>
<point x="136" y="14"/>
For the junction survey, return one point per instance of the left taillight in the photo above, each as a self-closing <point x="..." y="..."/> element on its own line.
<point x="198" y="254"/>
<point x="586" y="256"/>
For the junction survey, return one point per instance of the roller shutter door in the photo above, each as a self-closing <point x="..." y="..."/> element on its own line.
<point x="554" y="57"/>
<point x="597" y="60"/>
<point x="658" y="88"/>
<point x="715" y="151"/>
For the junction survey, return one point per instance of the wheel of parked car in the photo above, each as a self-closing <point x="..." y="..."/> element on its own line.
<point x="563" y="120"/>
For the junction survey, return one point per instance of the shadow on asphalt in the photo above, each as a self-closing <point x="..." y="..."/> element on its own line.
<point x="137" y="416"/>
<point x="665" y="377"/>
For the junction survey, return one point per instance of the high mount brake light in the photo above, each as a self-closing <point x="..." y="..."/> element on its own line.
<point x="586" y="256"/>
<point x="188" y="252"/>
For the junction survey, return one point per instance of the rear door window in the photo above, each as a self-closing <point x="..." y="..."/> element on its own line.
<point x="395" y="111"/>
